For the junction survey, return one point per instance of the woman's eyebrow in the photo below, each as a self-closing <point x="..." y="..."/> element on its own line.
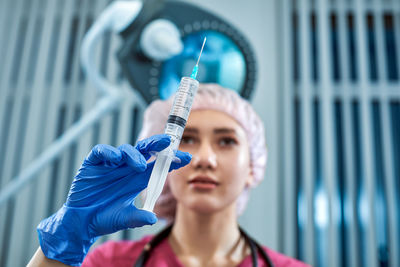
<point x="191" y="130"/>
<point x="224" y="131"/>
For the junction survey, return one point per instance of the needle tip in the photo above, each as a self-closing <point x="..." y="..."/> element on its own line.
<point x="201" y="51"/>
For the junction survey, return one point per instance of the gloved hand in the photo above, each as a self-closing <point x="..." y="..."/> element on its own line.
<point x="101" y="199"/>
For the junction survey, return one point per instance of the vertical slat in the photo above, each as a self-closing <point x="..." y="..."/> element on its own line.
<point x="112" y="69"/>
<point x="288" y="172"/>
<point x="328" y="163"/>
<point x="389" y="160"/>
<point x="380" y="45"/>
<point x="383" y="88"/>
<point x="351" y="185"/>
<point x="396" y="14"/>
<point x="6" y="10"/>
<point x="307" y="130"/>
<point x="381" y="203"/>
<point x="280" y="26"/>
<point x="344" y="53"/>
<point x="89" y="92"/>
<point x="343" y="246"/>
<point x="347" y="137"/>
<point x="390" y="183"/>
<point x="366" y="138"/>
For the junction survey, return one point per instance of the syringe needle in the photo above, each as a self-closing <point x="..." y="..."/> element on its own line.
<point x="196" y="67"/>
<point x="201" y="51"/>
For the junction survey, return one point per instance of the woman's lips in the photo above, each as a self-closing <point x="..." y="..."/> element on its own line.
<point x="203" y="182"/>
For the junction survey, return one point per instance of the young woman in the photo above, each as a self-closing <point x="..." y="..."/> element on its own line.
<point x="203" y="200"/>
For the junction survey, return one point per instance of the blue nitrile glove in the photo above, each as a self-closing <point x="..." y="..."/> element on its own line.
<point x="101" y="199"/>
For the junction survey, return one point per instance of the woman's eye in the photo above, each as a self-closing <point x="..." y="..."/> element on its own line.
<point x="187" y="140"/>
<point x="227" y="141"/>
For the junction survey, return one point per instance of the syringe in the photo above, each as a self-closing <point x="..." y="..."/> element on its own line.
<point x="175" y="125"/>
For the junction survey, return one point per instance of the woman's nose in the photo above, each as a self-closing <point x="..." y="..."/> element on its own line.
<point x="205" y="158"/>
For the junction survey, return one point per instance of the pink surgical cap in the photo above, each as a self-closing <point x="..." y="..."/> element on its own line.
<point x="211" y="97"/>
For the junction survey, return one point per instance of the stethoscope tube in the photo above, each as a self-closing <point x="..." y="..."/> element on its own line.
<point x="255" y="248"/>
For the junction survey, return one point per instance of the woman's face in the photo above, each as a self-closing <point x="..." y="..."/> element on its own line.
<point x="220" y="167"/>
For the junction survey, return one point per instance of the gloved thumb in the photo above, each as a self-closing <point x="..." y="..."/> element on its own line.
<point x="134" y="217"/>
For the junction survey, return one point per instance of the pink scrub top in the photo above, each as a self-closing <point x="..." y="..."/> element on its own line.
<point x="125" y="253"/>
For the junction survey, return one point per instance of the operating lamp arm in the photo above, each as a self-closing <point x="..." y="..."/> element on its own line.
<point x="115" y="18"/>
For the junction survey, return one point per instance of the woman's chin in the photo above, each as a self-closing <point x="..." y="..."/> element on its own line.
<point x="204" y="206"/>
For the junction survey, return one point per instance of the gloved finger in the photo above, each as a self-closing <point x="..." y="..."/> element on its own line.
<point x="184" y="157"/>
<point x="152" y="144"/>
<point x="176" y="159"/>
<point x="104" y="154"/>
<point x="155" y="154"/>
<point x="133" y="217"/>
<point x="133" y="158"/>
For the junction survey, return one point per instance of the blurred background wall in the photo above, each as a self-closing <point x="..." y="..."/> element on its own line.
<point x="328" y="91"/>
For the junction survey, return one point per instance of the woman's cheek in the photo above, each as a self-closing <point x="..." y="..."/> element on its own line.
<point x="177" y="180"/>
<point x="235" y="159"/>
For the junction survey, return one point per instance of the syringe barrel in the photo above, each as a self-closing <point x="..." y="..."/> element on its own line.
<point x="175" y="126"/>
<point x="183" y="101"/>
<point x="180" y="110"/>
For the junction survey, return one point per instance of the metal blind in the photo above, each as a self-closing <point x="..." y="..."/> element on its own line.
<point x="341" y="102"/>
<point x="42" y="93"/>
